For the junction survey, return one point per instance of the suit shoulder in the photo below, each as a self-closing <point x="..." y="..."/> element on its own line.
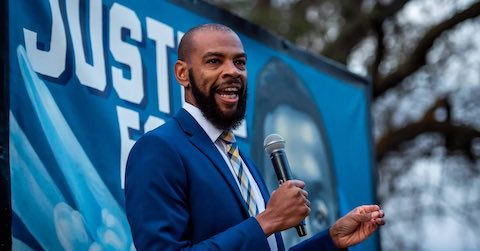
<point x="169" y="130"/>
<point x="165" y="138"/>
<point x="157" y="147"/>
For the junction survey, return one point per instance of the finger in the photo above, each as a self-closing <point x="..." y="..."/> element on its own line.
<point x="304" y="193"/>
<point x="307" y="202"/>
<point x="367" y="208"/>
<point x="371" y="216"/>
<point x="297" y="183"/>
<point x="361" y="217"/>
<point x="376" y="214"/>
<point x="380" y="221"/>
<point x="305" y="211"/>
<point x="380" y="214"/>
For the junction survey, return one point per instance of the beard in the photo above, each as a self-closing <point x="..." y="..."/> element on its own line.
<point x="210" y="109"/>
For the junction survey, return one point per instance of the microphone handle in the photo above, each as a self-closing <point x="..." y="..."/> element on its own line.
<point x="282" y="170"/>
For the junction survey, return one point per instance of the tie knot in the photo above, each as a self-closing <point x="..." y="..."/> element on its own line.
<point x="228" y="137"/>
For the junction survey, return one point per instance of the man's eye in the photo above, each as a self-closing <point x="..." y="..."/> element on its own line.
<point x="240" y="62"/>
<point x="213" y="61"/>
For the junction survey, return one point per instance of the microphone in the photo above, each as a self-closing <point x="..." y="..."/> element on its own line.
<point x="274" y="145"/>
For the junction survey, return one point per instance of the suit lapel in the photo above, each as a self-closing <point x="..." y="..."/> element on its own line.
<point x="202" y="142"/>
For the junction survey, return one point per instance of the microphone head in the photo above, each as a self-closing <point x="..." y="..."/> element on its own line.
<point x="273" y="143"/>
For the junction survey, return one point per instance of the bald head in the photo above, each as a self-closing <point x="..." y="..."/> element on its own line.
<point x="186" y="44"/>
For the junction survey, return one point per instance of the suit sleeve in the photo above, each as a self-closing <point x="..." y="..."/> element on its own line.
<point x="321" y="241"/>
<point x="157" y="204"/>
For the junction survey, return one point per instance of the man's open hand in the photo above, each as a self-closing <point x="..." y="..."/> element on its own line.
<point x="357" y="225"/>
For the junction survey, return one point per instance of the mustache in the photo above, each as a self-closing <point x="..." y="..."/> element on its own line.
<point x="234" y="82"/>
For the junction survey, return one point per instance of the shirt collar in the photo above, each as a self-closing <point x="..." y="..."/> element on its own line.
<point x="212" y="132"/>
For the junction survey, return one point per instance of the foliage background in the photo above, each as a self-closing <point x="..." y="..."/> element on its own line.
<point x="423" y="57"/>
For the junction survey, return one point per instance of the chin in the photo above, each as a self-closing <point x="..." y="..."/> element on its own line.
<point x="229" y="112"/>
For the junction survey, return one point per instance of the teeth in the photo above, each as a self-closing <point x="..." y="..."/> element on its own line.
<point x="228" y="95"/>
<point x="229" y="92"/>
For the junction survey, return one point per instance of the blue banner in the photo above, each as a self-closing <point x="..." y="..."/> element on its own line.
<point x="89" y="77"/>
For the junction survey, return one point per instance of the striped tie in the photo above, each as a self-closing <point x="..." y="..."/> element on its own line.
<point x="234" y="157"/>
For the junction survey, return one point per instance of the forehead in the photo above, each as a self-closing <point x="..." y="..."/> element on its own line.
<point x="224" y="42"/>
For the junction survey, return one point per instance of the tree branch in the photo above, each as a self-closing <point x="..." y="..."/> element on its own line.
<point x="298" y="23"/>
<point x="457" y="137"/>
<point x="418" y="57"/>
<point x="379" y="53"/>
<point x="357" y="27"/>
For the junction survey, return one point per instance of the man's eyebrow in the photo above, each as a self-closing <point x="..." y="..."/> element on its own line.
<point x="218" y="54"/>
<point x="240" y="55"/>
<point x="213" y="54"/>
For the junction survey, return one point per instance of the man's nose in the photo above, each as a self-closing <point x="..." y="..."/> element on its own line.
<point x="231" y="70"/>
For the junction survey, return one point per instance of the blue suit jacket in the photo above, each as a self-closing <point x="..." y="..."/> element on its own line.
<point x="181" y="195"/>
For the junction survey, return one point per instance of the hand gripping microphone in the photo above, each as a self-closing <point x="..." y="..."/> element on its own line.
<point x="274" y="145"/>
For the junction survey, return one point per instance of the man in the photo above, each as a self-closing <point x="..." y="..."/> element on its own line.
<point x="188" y="187"/>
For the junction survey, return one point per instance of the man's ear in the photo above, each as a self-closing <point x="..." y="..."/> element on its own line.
<point x="181" y="73"/>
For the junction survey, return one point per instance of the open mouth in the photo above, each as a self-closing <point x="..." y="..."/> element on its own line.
<point x="229" y="94"/>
